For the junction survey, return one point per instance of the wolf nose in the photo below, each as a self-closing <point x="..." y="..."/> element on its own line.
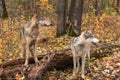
<point x="100" y="41"/>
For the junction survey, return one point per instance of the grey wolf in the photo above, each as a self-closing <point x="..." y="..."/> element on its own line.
<point x="28" y="37"/>
<point x="80" y="48"/>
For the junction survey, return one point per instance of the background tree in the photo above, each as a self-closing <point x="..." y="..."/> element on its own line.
<point x="75" y="17"/>
<point x="3" y="10"/>
<point x="118" y="7"/>
<point x="29" y="7"/>
<point x="61" y="19"/>
<point x="99" y="7"/>
<point x="72" y="10"/>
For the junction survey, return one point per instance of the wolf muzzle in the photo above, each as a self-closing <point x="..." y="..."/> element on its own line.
<point x="94" y="41"/>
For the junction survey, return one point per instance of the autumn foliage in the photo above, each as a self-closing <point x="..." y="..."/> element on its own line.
<point x="105" y="27"/>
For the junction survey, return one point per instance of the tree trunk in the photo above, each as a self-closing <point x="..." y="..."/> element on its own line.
<point x="75" y="17"/>
<point x="4" y="13"/>
<point x="61" y="19"/>
<point x="99" y="7"/>
<point x="118" y="7"/>
<point x="72" y="10"/>
<point x="29" y="7"/>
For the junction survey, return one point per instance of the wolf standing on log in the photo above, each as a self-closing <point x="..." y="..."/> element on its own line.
<point x="28" y="36"/>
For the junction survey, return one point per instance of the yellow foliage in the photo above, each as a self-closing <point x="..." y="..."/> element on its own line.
<point x="44" y="1"/>
<point x="105" y="28"/>
<point x="10" y="40"/>
<point x="19" y="77"/>
<point x="87" y="78"/>
<point x="107" y="58"/>
<point x="0" y="42"/>
<point x="45" y="7"/>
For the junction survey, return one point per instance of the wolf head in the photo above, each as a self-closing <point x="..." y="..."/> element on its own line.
<point x="90" y="37"/>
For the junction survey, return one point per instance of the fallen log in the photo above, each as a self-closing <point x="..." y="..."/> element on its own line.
<point x="15" y="66"/>
<point x="58" y="59"/>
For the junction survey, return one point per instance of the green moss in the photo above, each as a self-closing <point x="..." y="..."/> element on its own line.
<point x="5" y="15"/>
<point x="71" y="32"/>
<point x="60" y="34"/>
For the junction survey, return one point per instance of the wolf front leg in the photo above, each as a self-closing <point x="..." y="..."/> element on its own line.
<point x="23" y="42"/>
<point x="74" y="65"/>
<point x="88" y="53"/>
<point x="74" y="59"/>
<point x="78" y="64"/>
<point x="83" y="66"/>
<point x="23" y="50"/>
<point x="34" y="53"/>
<point x="27" y="54"/>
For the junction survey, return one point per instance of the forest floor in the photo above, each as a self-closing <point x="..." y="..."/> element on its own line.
<point x="106" y="68"/>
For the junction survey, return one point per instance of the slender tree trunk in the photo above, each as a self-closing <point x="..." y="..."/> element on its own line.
<point x="75" y="17"/>
<point x="78" y="15"/>
<point x="4" y="13"/>
<point x="72" y="10"/>
<point x="118" y="7"/>
<point x="61" y="19"/>
<point x="99" y="7"/>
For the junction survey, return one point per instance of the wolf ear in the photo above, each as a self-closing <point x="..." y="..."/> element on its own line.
<point x="35" y="17"/>
<point x="36" y="11"/>
<point x="88" y="31"/>
<point x="84" y="33"/>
